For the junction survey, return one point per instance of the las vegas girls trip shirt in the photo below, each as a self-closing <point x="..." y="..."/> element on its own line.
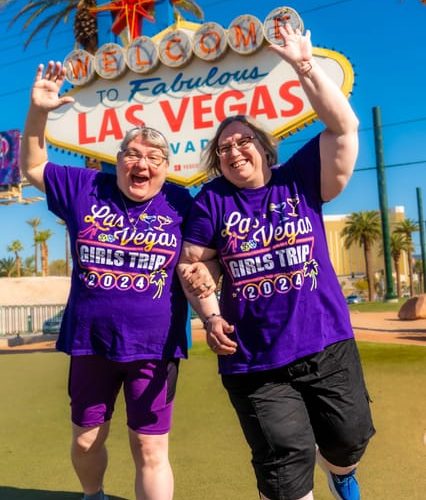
<point x="279" y="288"/>
<point x="125" y="302"/>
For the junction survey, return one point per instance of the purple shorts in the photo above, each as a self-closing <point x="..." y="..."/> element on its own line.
<point x="149" y="389"/>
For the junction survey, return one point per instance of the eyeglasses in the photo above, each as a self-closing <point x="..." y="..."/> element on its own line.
<point x="152" y="160"/>
<point x="241" y="144"/>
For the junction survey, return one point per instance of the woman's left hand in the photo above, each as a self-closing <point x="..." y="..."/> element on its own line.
<point x="218" y="332"/>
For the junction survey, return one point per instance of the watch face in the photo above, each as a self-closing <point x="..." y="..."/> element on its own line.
<point x="278" y="17"/>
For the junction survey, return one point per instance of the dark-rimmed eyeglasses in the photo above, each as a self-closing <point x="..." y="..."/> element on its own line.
<point x="241" y="144"/>
<point x="152" y="159"/>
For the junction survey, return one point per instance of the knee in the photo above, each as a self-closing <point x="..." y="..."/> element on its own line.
<point x="343" y="457"/>
<point x="286" y="477"/>
<point x="336" y="469"/>
<point x="149" y="451"/>
<point x="332" y="467"/>
<point x="152" y="454"/>
<point x="87" y="441"/>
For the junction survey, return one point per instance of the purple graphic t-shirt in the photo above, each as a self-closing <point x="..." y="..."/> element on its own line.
<point x="125" y="302"/>
<point x="279" y="290"/>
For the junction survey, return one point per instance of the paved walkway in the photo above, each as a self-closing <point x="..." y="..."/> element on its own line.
<point x="387" y="327"/>
<point x="368" y="327"/>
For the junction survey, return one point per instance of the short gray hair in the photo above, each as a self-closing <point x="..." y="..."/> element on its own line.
<point x="148" y="134"/>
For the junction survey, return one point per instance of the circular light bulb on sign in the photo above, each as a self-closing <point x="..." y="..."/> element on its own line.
<point x="175" y="49"/>
<point x="209" y="42"/>
<point x="79" y="67"/>
<point x="110" y="62"/>
<point x="245" y="34"/>
<point x="142" y="55"/>
<point x="278" y="17"/>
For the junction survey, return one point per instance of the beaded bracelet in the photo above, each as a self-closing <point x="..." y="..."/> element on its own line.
<point x="208" y="318"/>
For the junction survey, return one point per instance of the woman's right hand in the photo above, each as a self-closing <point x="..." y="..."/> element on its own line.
<point x="198" y="279"/>
<point x="45" y="91"/>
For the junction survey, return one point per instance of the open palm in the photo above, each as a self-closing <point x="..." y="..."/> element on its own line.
<point x="297" y="47"/>
<point x="45" y="92"/>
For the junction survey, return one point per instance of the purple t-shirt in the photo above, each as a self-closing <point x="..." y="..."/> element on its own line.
<point x="279" y="289"/>
<point x="125" y="302"/>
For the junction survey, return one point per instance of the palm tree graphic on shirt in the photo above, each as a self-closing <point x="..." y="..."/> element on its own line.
<point x="158" y="278"/>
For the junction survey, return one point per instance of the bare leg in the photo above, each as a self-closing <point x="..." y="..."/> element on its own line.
<point x="341" y="480"/>
<point x="335" y="469"/>
<point x="154" y="477"/>
<point x="309" y="496"/>
<point x="89" y="456"/>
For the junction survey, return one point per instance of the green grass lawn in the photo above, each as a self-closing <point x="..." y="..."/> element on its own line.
<point x="377" y="306"/>
<point x="209" y="456"/>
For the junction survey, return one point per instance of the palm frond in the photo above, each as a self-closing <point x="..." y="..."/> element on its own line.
<point x="35" y="10"/>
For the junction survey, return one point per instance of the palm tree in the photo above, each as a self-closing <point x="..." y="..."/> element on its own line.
<point x="85" y="28"/>
<point x="407" y="227"/>
<point x="34" y="223"/>
<point x="67" y="247"/>
<point x="48" y="14"/>
<point x="42" y="237"/>
<point x="188" y="6"/>
<point x="418" y="269"/>
<point x="16" y="247"/>
<point x="7" y="265"/>
<point x="398" y="244"/>
<point x="29" y="268"/>
<point x="364" y="229"/>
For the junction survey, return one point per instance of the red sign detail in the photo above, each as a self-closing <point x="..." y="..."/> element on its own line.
<point x="128" y="14"/>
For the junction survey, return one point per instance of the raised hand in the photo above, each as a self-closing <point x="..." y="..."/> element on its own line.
<point x="297" y="48"/>
<point x="45" y="91"/>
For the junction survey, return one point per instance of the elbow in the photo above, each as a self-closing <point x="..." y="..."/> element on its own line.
<point x="349" y="127"/>
<point x="331" y="191"/>
<point x="352" y="124"/>
<point x="355" y="122"/>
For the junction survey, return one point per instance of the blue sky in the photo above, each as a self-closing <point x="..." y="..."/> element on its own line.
<point x="383" y="39"/>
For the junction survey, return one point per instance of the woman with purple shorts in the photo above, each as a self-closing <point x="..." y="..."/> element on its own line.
<point x="125" y="320"/>
<point x="283" y="336"/>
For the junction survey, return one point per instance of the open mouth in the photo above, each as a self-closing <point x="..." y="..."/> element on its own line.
<point x="139" y="179"/>
<point x="238" y="164"/>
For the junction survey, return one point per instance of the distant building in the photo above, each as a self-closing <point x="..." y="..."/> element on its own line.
<point x="350" y="262"/>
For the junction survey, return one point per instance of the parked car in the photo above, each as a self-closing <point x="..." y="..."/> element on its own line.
<point x="53" y="324"/>
<point x="354" y="299"/>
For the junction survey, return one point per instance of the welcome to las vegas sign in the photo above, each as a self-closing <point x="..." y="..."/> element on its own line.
<point x="184" y="82"/>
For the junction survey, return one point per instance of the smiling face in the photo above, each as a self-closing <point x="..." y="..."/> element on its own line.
<point x="245" y="163"/>
<point x="141" y="169"/>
